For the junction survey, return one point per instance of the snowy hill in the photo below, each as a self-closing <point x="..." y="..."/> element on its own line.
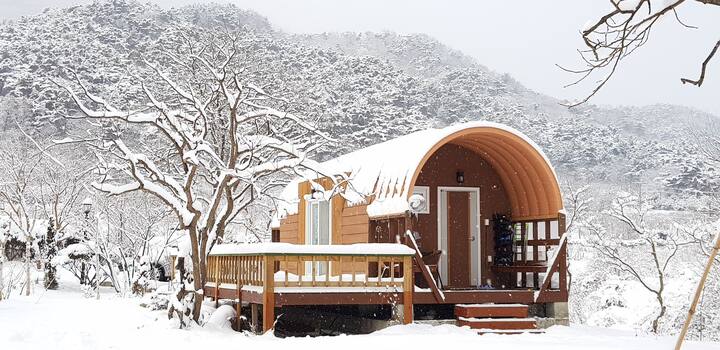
<point x="364" y="88"/>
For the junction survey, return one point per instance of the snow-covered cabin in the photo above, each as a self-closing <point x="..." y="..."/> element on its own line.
<point x="470" y="216"/>
<point x="449" y="186"/>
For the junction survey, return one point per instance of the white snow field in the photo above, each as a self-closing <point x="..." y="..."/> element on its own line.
<point x="65" y="319"/>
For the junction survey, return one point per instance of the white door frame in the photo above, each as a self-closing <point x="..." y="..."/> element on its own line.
<point x="475" y="244"/>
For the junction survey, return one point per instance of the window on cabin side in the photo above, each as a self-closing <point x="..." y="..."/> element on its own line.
<point x="317" y="223"/>
<point x="317" y="232"/>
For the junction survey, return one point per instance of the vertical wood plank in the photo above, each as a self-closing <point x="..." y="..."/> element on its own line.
<point x="268" y="293"/>
<point x="408" y="290"/>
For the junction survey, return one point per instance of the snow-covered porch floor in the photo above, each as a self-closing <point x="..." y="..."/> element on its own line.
<point x="67" y="320"/>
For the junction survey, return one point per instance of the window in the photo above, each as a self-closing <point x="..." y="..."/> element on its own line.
<point x="318" y="222"/>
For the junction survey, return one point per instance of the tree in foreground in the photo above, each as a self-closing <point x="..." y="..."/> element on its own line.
<point x="624" y="29"/>
<point x="645" y="252"/>
<point x="199" y="138"/>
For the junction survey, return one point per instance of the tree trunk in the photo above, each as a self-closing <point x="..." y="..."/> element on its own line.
<point x="28" y="278"/>
<point x="656" y="321"/>
<point x="2" y="276"/>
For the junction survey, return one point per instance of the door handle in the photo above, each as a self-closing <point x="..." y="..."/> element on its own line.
<point x="472" y="238"/>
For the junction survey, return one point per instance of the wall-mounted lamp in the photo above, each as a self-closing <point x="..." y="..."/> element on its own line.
<point x="315" y="194"/>
<point x="460" y="177"/>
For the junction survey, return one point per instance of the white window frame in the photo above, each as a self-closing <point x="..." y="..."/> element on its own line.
<point x="309" y="203"/>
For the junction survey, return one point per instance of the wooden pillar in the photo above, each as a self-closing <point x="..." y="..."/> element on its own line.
<point x="254" y="318"/>
<point x="408" y="290"/>
<point x="217" y="282"/>
<point x="562" y="269"/>
<point x="238" y="306"/>
<point x="268" y="293"/>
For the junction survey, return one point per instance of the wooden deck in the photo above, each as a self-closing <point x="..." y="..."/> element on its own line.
<point x="280" y="274"/>
<point x="330" y="296"/>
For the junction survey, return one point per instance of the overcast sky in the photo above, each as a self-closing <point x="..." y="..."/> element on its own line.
<point x="524" y="38"/>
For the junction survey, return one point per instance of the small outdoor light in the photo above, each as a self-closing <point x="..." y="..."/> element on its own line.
<point x="460" y="177"/>
<point x="87" y="205"/>
<point x="315" y="194"/>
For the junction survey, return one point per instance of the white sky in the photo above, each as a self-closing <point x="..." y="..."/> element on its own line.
<point x="525" y="38"/>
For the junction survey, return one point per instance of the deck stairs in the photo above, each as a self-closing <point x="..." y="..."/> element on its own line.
<point x="496" y="318"/>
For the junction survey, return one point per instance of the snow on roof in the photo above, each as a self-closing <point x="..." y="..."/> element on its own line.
<point x="384" y="171"/>
<point x="301" y="249"/>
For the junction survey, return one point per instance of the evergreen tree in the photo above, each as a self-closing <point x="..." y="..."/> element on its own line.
<point x="50" y="252"/>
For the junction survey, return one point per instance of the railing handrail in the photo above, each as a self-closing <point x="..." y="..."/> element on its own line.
<point x="289" y="249"/>
<point x="251" y="270"/>
<point x="315" y="254"/>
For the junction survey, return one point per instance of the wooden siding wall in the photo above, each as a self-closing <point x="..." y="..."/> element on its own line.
<point x="355" y="225"/>
<point x="289" y="229"/>
<point x="386" y="230"/>
<point x="440" y="170"/>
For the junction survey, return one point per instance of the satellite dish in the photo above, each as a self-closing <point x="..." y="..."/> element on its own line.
<point x="417" y="202"/>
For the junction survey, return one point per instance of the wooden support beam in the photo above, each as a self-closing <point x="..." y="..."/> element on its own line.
<point x="238" y="286"/>
<point x="408" y="290"/>
<point x="217" y="282"/>
<point x="268" y="293"/>
<point x="254" y="318"/>
<point x="417" y="258"/>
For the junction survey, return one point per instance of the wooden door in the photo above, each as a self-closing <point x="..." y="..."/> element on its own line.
<point x="458" y="239"/>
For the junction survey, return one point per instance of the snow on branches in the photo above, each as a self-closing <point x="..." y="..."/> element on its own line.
<point x="217" y="143"/>
<point x="621" y="31"/>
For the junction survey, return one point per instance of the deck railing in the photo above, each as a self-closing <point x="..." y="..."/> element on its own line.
<point x="540" y="260"/>
<point x="268" y="266"/>
<point x="308" y="270"/>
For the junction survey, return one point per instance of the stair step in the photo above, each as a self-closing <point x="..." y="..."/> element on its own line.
<point x="491" y="310"/>
<point x="498" y="323"/>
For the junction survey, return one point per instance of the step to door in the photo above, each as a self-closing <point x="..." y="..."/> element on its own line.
<point x="491" y="310"/>
<point x="498" y="323"/>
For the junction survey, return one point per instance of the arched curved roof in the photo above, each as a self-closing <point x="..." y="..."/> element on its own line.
<point x="388" y="171"/>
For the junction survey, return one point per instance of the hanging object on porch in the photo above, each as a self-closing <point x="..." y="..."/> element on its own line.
<point x="502" y="227"/>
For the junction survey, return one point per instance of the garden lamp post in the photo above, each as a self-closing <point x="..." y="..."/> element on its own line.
<point x="87" y="207"/>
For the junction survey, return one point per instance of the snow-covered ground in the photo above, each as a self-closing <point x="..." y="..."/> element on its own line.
<point x="65" y="319"/>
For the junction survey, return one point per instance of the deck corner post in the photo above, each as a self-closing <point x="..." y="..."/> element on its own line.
<point x="268" y="292"/>
<point x="408" y="290"/>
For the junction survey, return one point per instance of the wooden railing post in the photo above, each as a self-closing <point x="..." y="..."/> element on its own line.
<point x="563" y="255"/>
<point x="268" y="282"/>
<point x="408" y="290"/>
<point x="238" y="286"/>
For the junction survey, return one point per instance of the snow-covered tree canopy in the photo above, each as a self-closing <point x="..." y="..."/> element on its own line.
<point x="213" y="142"/>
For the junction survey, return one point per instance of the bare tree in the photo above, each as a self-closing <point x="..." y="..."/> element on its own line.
<point x="218" y="142"/>
<point x="644" y="255"/>
<point x="21" y="204"/>
<point x="621" y="31"/>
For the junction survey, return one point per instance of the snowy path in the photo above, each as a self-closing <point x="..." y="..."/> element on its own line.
<point x="67" y="320"/>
